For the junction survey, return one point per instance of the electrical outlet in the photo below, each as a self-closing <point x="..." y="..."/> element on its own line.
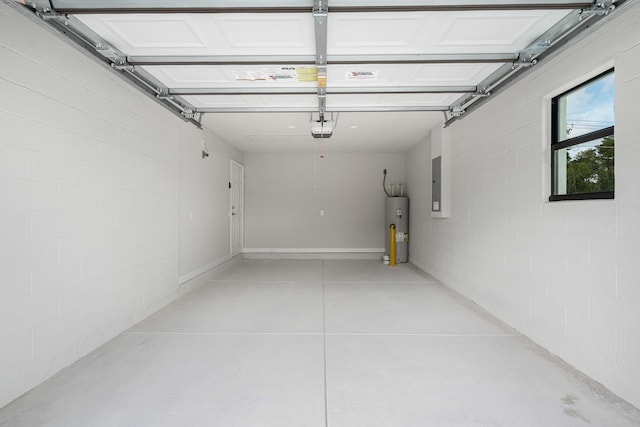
<point x="321" y="212"/>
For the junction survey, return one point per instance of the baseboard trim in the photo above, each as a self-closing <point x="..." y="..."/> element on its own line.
<point x="205" y="268"/>
<point x="313" y="250"/>
<point x="312" y="253"/>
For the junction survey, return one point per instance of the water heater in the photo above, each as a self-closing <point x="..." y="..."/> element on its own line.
<point x="397" y="213"/>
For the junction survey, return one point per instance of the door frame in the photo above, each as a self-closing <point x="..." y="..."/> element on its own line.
<point x="233" y="164"/>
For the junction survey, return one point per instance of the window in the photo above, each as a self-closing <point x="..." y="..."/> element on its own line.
<point x="582" y="141"/>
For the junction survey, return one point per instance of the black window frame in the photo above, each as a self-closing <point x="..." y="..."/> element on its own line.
<point x="570" y="142"/>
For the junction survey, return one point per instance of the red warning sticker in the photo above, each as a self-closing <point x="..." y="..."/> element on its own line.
<point x="362" y="75"/>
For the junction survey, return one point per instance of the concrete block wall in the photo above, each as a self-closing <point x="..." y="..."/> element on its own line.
<point x="204" y="202"/>
<point x="90" y="171"/>
<point x="564" y="273"/>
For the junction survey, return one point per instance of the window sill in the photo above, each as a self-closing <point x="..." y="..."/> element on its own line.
<point x="604" y="195"/>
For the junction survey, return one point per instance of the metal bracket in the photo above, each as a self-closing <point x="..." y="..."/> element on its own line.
<point x="47" y="14"/>
<point x="600" y="8"/>
<point x="118" y="60"/>
<point x="164" y="94"/>
<point x="456" y="111"/>
<point x="121" y="64"/>
<point x="102" y="47"/>
<point x="481" y="92"/>
<point x="543" y="44"/>
<point x="526" y="57"/>
<point x="525" y="60"/>
<point x="320" y="17"/>
<point x="321" y="9"/>
<point x="189" y="114"/>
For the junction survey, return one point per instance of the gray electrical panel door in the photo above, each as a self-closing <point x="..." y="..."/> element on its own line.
<point x="436" y="183"/>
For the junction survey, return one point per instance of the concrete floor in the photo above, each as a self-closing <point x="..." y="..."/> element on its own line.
<point x="319" y="343"/>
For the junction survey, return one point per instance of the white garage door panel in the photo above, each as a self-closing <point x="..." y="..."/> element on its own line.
<point x="198" y="76"/>
<point x="335" y="101"/>
<point x="206" y="34"/>
<point x="437" y="32"/>
<point x="339" y="76"/>
<point x="408" y="75"/>
<point x="379" y="62"/>
<point x="222" y="101"/>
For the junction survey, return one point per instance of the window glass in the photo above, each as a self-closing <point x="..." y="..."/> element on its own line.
<point x="586" y="109"/>
<point x="582" y="146"/>
<point x="586" y="167"/>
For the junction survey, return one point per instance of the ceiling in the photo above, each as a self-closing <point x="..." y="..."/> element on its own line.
<point x="379" y="75"/>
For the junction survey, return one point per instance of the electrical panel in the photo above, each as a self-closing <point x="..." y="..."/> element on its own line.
<point x="436" y="184"/>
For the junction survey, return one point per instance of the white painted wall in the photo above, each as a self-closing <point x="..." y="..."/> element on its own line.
<point x="204" y="202"/>
<point x="567" y="274"/>
<point x="419" y="190"/>
<point x="285" y="192"/>
<point x="90" y="229"/>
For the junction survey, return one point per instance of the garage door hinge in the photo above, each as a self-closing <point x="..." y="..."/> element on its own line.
<point x="47" y="14"/>
<point x="600" y="8"/>
<point x="164" y="94"/>
<point x="121" y="64"/>
<point x="525" y="60"/>
<point x="456" y="111"/>
<point x="481" y="92"/>
<point x="189" y="114"/>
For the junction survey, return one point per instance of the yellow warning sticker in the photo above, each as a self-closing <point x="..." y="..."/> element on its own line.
<point x="307" y="74"/>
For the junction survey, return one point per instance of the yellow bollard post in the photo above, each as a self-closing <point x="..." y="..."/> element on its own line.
<point x="392" y="245"/>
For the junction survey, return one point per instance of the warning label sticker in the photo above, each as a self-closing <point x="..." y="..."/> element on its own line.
<point x="307" y="74"/>
<point x="362" y="75"/>
<point x="267" y="74"/>
<point x="280" y="74"/>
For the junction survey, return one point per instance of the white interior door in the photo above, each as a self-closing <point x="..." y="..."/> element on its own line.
<point x="237" y="207"/>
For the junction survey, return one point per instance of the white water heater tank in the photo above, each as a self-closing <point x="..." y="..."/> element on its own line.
<point x="397" y="213"/>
